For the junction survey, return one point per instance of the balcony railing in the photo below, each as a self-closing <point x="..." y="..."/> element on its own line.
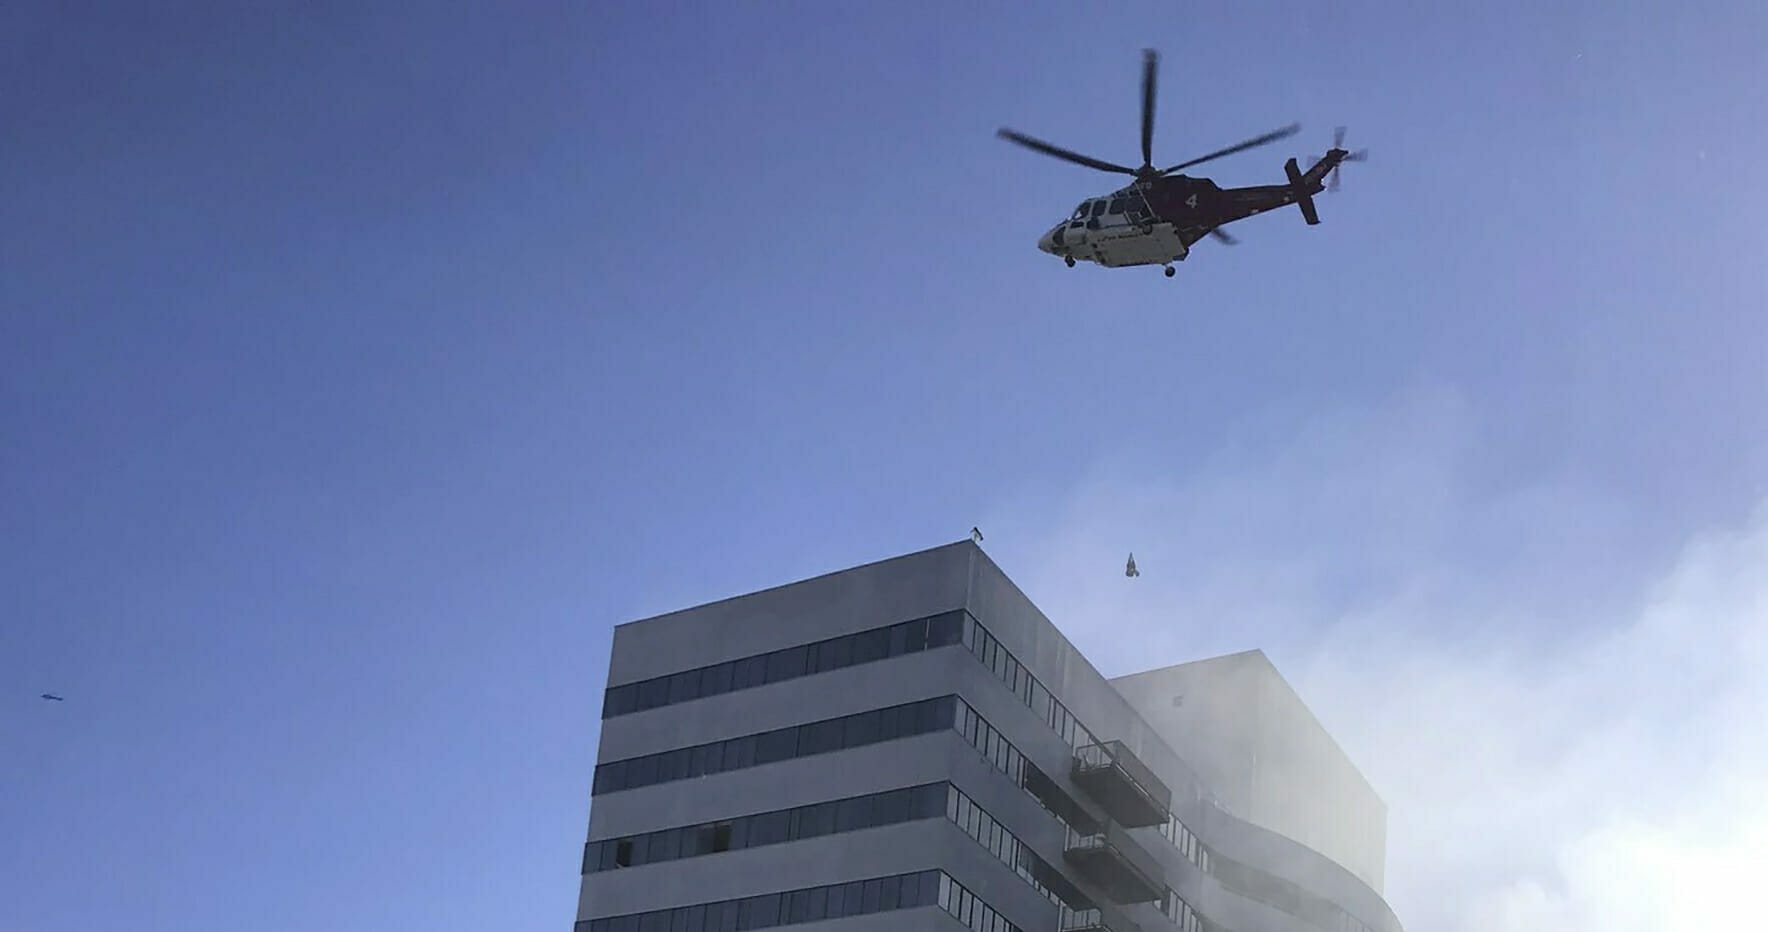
<point x="1096" y="919"/>
<point x="1122" y="784"/>
<point x="1116" y="863"/>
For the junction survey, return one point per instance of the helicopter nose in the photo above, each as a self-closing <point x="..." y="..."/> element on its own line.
<point x="1047" y="242"/>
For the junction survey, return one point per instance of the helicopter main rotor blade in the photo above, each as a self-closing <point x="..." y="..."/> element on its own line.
<point x="1222" y="235"/>
<point x="1150" y="60"/>
<point x="1252" y="143"/>
<point x="1064" y="154"/>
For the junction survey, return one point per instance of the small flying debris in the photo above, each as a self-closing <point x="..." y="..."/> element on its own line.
<point x="976" y="535"/>
<point x="1130" y="568"/>
<point x="53" y="698"/>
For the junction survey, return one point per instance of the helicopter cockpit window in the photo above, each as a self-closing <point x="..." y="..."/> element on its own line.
<point x="1080" y="213"/>
<point x="1116" y="206"/>
<point x="1098" y="209"/>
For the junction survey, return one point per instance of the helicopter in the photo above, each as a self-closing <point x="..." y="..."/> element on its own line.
<point x="1156" y="218"/>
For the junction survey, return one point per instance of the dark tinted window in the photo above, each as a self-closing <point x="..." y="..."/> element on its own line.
<point x="716" y="679"/>
<point x="653" y="693"/>
<point x="785" y="664"/>
<point x="945" y="630"/>
<point x="833" y="655"/>
<point x="894" y="806"/>
<point x="684" y="687"/>
<point x="914" y="636"/>
<point x="861" y="729"/>
<point x="889" y="889"/>
<point x="1116" y="206"/>
<point x="871" y="645"/>
<point x="619" y="700"/>
<point x="776" y="746"/>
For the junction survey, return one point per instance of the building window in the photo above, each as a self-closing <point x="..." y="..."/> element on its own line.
<point x="913" y="718"/>
<point x="891" y="807"/>
<point x="907" y="637"/>
<point x="768" y="910"/>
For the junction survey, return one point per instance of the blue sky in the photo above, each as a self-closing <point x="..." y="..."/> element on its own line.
<point x="359" y="369"/>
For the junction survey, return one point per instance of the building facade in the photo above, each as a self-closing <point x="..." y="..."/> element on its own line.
<point x="912" y="745"/>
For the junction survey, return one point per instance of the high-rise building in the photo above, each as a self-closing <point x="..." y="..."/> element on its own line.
<point x="912" y="745"/>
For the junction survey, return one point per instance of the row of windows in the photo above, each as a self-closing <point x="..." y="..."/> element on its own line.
<point x="1018" y="679"/>
<point x="991" y="744"/>
<point x="900" y="721"/>
<point x="1006" y="758"/>
<point x="833" y="654"/>
<point x="969" y="908"/>
<point x="857" y="898"/>
<point x="767" y="828"/>
<point x="1004" y="845"/>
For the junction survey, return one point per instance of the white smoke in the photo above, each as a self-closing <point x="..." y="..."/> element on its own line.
<point x="1569" y="735"/>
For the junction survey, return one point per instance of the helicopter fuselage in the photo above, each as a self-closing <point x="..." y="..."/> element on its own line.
<point x="1156" y="221"/>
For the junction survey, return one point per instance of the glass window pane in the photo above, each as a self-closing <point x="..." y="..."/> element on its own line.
<point x="643" y="771"/>
<point x="653" y="693"/>
<point x="898" y="641"/>
<point x="684" y="687"/>
<point x="861" y="729"/>
<point x="785" y="664"/>
<point x="776" y="746"/>
<point x="914" y="636"/>
<point x="888" y="728"/>
<point x="870" y="645"/>
<point x="767" y="910"/>
<point x="888" y="891"/>
<point x="852" y="814"/>
<point x="837" y="653"/>
<point x="894" y="807"/>
<point x="715" y="680"/>
<point x="818" y="905"/>
<point x="945" y="630"/>
<point x="619" y="700"/>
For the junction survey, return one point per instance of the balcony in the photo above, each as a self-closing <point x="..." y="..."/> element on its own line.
<point x="1121" y="868"/>
<point x="1122" y="784"/>
<point x="1099" y="918"/>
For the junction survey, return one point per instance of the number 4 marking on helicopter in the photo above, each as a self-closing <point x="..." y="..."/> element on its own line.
<point x="1191" y="202"/>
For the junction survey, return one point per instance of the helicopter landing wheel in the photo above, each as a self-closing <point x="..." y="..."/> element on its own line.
<point x="1169" y="271"/>
<point x="1069" y="260"/>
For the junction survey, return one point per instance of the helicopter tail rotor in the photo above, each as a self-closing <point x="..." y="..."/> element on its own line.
<point x="1361" y="155"/>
